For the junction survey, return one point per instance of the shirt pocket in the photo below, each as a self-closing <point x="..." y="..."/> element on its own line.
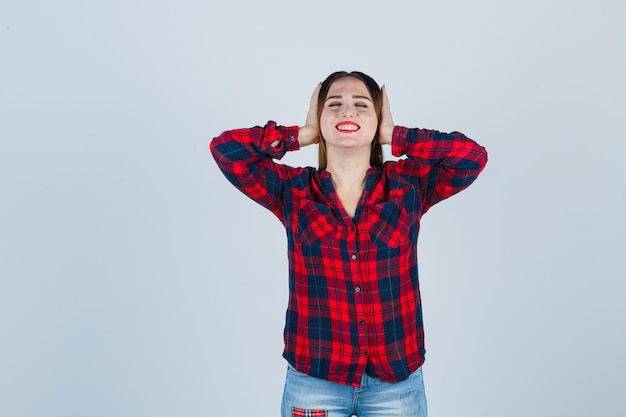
<point x="316" y="223"/>
<point x="388" y="223"/>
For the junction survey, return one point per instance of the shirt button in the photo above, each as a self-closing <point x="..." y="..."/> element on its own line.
<point x="361" y="321"/>
<point x="353" y="257"/>
<point x="364" y="352"/>
<point x="292" y="138"/>
<point x="357" y="289"/>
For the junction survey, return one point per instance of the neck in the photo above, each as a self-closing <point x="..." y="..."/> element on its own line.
<point x="348" y="170"/>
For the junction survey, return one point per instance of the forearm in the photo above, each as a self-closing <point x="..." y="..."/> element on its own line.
<point x="246" y="156"/>
<point x="430" y="147"/>
<point x="306" y="136"/>
<point x="253" y="144"/>
<point x="440" y="164"/>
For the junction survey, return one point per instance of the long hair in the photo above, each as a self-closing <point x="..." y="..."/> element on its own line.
<point x="376" y="155"/>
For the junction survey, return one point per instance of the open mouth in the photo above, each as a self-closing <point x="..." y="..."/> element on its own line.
<point x="347" y="127"/>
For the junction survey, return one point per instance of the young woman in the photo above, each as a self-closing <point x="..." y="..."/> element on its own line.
<point x="354" y="338"/>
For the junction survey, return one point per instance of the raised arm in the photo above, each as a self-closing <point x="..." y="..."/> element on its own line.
<point x="246" y="157"/>
<point x="442" y="163"/>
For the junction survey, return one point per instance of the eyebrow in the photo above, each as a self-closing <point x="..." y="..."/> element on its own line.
<point x="355" y="97"/>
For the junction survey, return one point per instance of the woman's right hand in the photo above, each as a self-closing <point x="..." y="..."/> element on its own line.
<point x="309" y="133"/>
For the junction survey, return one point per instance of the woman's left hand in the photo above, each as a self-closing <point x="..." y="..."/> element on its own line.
<point x="385" y="127"/>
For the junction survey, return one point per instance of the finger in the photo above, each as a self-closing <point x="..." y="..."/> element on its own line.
<point x="312" y="115"/>
<point x="386" y="106"/>
<point x="315" y="94"/>
<point x="314" y="97"/>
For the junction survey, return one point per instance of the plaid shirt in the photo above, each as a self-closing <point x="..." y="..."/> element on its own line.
<point x="354" y="300"/>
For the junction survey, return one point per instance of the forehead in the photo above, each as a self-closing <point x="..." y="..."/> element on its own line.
<point x="348" y="86"/>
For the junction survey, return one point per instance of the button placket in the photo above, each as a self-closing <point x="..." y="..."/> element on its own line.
<point x="354" y="261"/>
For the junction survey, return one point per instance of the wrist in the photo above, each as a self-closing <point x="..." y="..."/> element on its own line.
<point x="307" y="135"/>
<point x="385" y="136"/>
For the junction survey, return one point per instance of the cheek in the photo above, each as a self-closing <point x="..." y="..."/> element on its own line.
<point x="325" y="123"/>
<point x="373" y="122"/>
<point x="325" y="131"/>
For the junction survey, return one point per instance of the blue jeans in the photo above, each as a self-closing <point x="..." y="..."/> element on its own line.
<point x="308" y="396"/>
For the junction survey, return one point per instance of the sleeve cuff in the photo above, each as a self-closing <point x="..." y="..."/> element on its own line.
<point x="290" y="138"/>
<point x="287" y="137"/>
<point x="398" y="140"/>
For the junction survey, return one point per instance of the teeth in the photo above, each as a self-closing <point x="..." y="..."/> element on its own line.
<point x="347" y="127"/>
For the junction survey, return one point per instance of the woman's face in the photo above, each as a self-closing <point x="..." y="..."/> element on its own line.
<point x="348" y="118"/>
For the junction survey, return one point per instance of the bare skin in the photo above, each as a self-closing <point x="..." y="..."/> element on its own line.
<point x="348" y="158"/>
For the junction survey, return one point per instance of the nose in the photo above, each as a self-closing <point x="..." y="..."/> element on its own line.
<point x="349" y="111"/>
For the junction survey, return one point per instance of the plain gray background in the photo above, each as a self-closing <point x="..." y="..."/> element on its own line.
<point x="135" y="281"/>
